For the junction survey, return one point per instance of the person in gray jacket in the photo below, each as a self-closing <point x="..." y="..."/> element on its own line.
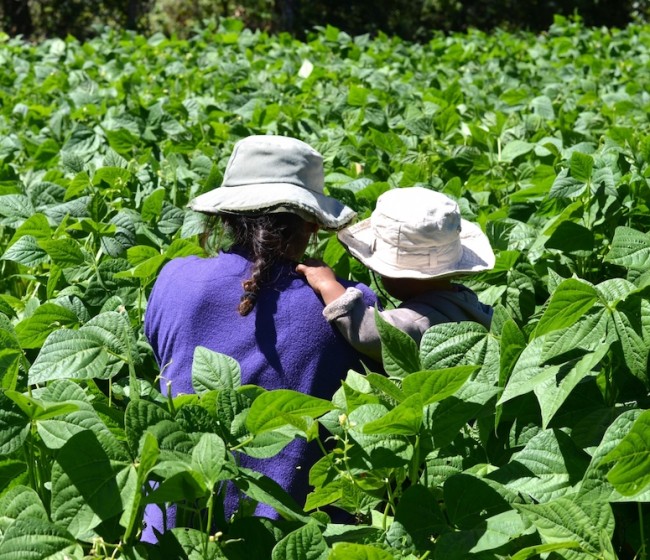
<point x="418" y="243"/>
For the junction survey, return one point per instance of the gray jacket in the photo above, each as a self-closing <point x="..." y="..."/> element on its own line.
<point x="356" y="321"/>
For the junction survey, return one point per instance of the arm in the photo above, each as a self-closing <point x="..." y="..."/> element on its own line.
<point x="344" y="308"/>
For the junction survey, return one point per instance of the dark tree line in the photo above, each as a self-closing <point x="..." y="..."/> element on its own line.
<point x="410" y="19"/>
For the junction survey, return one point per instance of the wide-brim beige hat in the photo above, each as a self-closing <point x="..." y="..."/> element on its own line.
<point x="268" y="174"/>
<point x="416" y="232"/>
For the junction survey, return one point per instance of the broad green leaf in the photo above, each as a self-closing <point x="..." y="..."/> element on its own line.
<point x="63" y="252"/>
<point x="132" y="502"/>
<point x="629" y="248"/>
<point x="26" y="251"/>
<point x="535" y="550"/>
<point x="516" y="148"/>
<point x="418" y="520"/>
<point x="267" y="491"/>
<point x="570" y="237"/>
<point x="14" y="426"/>
<point x="405" y="419"/>
<point x="568" y="303"/>
<point x="152" y="205"/>
<point x="11" y="356"/>
<point x="581" y="166"/>
<point x="453" y="344"/>
<point x="595" y="485"/>
<point x="99" y="349"/>
<point x="378" y="451"/>
<point x="212" y="370"/>
<point x="32" y="538"/>
<point x="86" y="485"/>
<point x="496" y="532"/>
<point x="549" y="465"/>
<point x="552" y="392"/>
<point x="529" y="370"/>
<point x="305" y="543"/>
<point x="142" y="416"/>
<point x="352" y="551"/>
<point x="183" y="542"/>
<point x="512" y="344"/>
<point x="35" y="409"/>
<point x="631" y="471"/>
<point x="20" y="502"/>
<point x="635" y="348"/>
<point x="433" y="386"/>
<point x="11" y="471"/>
<point x="49" y="317"/>
<point x="273" y="409"/>
<point x="570" y="519"/>
<point x="387" y="386"/>
<point x="469" y="501"/>
<point x="399" y="352"/>
<point x="208" y="458"/>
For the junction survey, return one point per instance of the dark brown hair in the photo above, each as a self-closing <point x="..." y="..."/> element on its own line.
<point x="266" y="239"/>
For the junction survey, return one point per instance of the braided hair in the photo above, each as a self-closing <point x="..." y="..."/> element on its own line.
<point x="267" y="239"/>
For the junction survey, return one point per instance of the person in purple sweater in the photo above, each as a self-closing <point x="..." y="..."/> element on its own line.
<point x="250" y="303"/>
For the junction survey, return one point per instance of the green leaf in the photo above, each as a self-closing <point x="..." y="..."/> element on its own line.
<point x="433" y="386"/>
<point x="208" y="458"/>
<point x="305" y="543"/>
<point x="570" y="237"/>
<point x="418" y="519"/>
<point x="399" y="352"/>
<point x="47" y="318"/>
<point x="142" y="416"/>
<point x="26" y="251"/>
<point x="569" y="302"/>
<point x="20" y="502"/>
<point x="545" y="469"/>
<point x="516" y="148"/>
<point x="36" y="538"/>
<point x="276" y="408"/>
<point x="536" y="550"/>
<point x="552" y="392"/>
<point x="571" y="519"/>
<point x="11" y="356"/>
<point x="351" y="551"/>
<point x="35" y="409"/>
<point x="14" y="426"/>
<point x="629" y="248"/>
<point x="582" y="166"/>
<point x="631" y="471"/>
<point x="86" y="485"/>
<point x="405" y="419"/>
<point x="635" y="348"/>
<point x="212" y="370"/>
<point x="265" y="490"/>
<point x="99" y="349"/>
<point x="453" y="344"/>
<point x="64" y="252"/>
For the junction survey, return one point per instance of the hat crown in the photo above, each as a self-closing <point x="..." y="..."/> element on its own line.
<point x="269" y="160"/>
<point x="416" y="220"/>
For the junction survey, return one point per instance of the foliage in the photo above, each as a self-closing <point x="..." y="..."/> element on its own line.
<point x="527" y="440"/>
<point x="411" y="20"/>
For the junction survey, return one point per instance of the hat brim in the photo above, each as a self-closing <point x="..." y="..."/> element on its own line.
<point x="267" y="198"/>
<point x="477" y="255"/>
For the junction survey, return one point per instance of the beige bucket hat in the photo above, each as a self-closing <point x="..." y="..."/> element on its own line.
<point x="416" y="232"/>
<point x="268" y="174"/>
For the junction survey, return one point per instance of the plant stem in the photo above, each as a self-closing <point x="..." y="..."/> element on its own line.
<point x="642" y="552"/>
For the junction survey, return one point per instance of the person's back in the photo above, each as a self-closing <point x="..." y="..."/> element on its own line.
<point x="249" y="303"/>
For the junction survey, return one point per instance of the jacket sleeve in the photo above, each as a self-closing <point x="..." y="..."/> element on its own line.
<point x="356" y="322"/>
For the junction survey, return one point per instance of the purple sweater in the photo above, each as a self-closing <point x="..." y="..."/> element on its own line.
<point x="284" y="343"/>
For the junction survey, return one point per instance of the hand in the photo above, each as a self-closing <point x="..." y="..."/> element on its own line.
<point x="322" y="279"/>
